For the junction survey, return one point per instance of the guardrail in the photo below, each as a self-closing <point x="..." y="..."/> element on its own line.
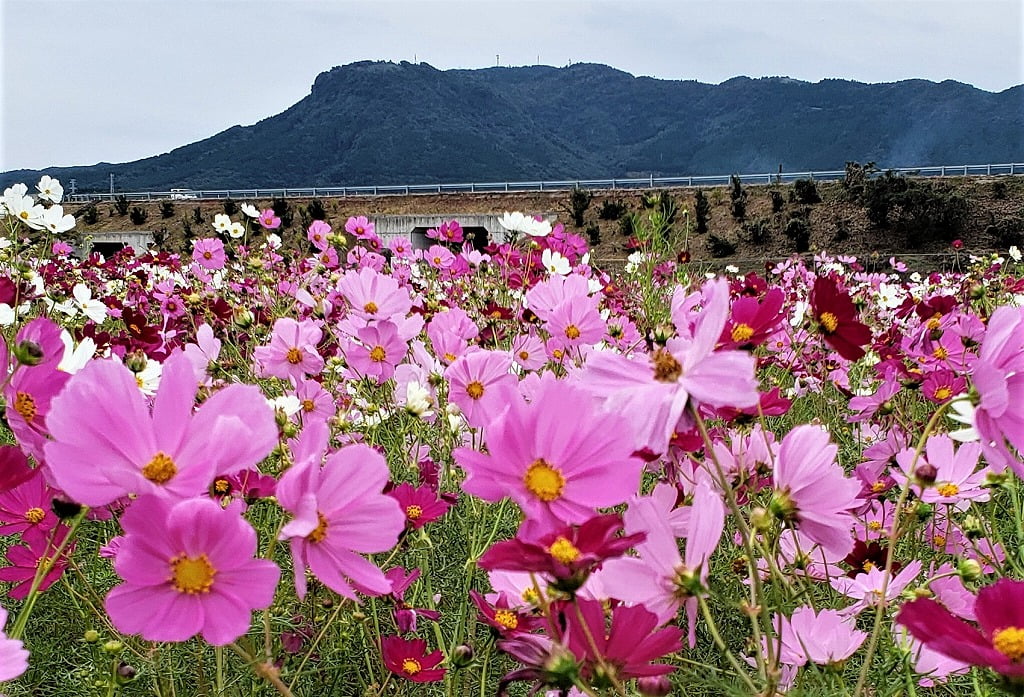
<point x="541" y="186"/>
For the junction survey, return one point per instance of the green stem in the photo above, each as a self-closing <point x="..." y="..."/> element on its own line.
<point x="733" y="661"/>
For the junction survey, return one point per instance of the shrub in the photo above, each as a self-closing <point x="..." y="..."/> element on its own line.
<point x="856" y="178"/>
<point x="758" y="231"/>
<point x="701" y="211"/>
<point x="121" y="204"/>
<point x="806" y="191"/>
<point x="919" y="210"/>
<point x="594" y="235"/>
<point x="720" y="247"/>
<point x="89" y="215"/>
<point x="999" y="189"/>
<point x="611" y="210"/>
<point x="778" y="200"/>
<point x="197" y="215"/>
<point x="315" y="210"/>
<point x="799" y="231"/>
<point x="737" y="199"/>
<point x="579" y="202"/>
<point x="139" y="215"/>
<point x="230" y="207"/>
<point x="283" y="210"/>
<point x="627" y="226"/>
<point x="186" y="229"/>
<point x="167" y="209"/>
<point x="1007" y="233"/>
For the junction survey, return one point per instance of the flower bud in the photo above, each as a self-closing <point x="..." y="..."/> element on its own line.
<point x="972" y="527"/>
<point x="760" y="519"/>
<point x="654" y="686"/>
<point x="924" y="511"/>
<point x="925" y="474"/>
<point x="91" y="636"/>
<point x="977" y="291"/>
<point x="462" y="656"/>
<point x="125" y="672"/>
<point x="113" y="646"/>
<point x="136" y="361"/>
<point x="243" y="317"/>
<point x="28" y="353"/>
<point x="968" y="569"/>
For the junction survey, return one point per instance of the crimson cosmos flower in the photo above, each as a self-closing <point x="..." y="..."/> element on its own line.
<point x="836" y="317"/>
<point x="999" y="641"/>
<point x="409" y="659"/>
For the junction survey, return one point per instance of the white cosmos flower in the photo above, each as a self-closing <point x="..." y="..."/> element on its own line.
<point x="25" y="209"/>
<point x="962" y="411"/>
<point x="732" y="269"/>
<point x="418" y="400"/>
<point x="55" y="221"/>
<point x="75" y="358"/>
<point x="50" y="189"/>
<point x="221" y="222"/>
<point x="250" y="210"/>
<point x="1015" y="253"/>
<point x="517" y="222"/>
<point x="273" y="241"/>
<point x="93" y="309"/>
<point x="889" y="296"/>
<point x="555" y="263"/>
<point x="236" y="230"/>
<point x="148" y="379"/>
<point x="289" y="404"/>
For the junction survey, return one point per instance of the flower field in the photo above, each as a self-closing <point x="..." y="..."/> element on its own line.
<point x="340" y="465"/>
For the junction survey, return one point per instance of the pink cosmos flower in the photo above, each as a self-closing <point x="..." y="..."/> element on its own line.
<point x="480" y="384"/>
<point x="360" y="227"/>
<point x="188" y="569"/>
<point x="999" y="379"/>
<point x="656" y="390"/>
<point x="25" y="561"/>
<point x="373" y="296"/>
<point x="557" y="472"/>
<point x="439" y="257"/>
<point x="378" y="351"/>
<point x="956" y="478"/>
<point x="577" y="322"/>
<point x="998" y="641"/>
<point x="340" y="511"/>
<point x="269" y="220"/>
<point x="823" y="638"/>
<point x="811" y="491"/>
<point x="13" y="656"/>
<point x="292" y="351"/>
<point x="106" y="443"/>
<point x="317" y="234"/>
<point x="659" y="578"/>
<point x="866" y="589"/>
<point x="209" y="253"/>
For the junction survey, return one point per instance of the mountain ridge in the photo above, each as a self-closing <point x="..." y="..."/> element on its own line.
<point x="375" y="122"/>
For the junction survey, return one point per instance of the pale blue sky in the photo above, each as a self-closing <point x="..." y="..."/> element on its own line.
<point x="117" y="80"/>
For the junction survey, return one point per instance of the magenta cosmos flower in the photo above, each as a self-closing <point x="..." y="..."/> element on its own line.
<point x="292" y="350"/>
<point x="997" y="643"/>
<point x="106" y="443"/>
<point x="340" y="511"/>
<point x="999" y="379"/>
<point x="188" y="569"/>
<point x="558" y="471"/>
<point x="655" y="390"/>
<point x="811" y="491"/>
<point x="409" y="659"/>
<point x="378" y="353"/>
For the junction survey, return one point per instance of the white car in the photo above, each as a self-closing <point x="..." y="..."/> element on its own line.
<point x="182" y="194"/>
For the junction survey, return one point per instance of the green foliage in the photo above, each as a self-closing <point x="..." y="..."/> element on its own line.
<point x="805" y="191"/>
<point x="121" y="204"/>
<point x="778" y="200"/>
<point x="1007" y="232"/>
<point x="594" y="235"/>
<point x="230" y="207"/>
<point x="856" y="179"/>
<point x="167" y="209"/>
<point x="579" y="202"/>
<point x="611" y="210"/>
<point x="999" y="189"/>
<point x="138" y="215"/>
<point x="701" y="211"/>
<point x="920" y="210"/>
<point x="758" y="231"/>
<point x="283" y="210"/>
<point x="737" y="199"/>
<point x="798" y="229"/>
<point x="197" y="215"/>
<point x="627" y="225"/>
<point x="89" y="214"/>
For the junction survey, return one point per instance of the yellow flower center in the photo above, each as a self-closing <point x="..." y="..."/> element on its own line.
<point x="829" y="322"/>
<point x="564" y="551"/>
<point x="192" y="574"/>
<point x="941" y="353"/>
<point x="506" y="618"/>
<point x="666" y="367"/>
<point x="868" y="565"/>
<point x="449" y="356"/>
<point x="939" y="540"/>
<point x="934" y="322"/>
<point x="874" y="525"/>
<point x="378" y="354"/>
<point x="207" y="255"/>
<point x="411" y="666"/>
<point x="572" y="332"/>
<point x="877" y="486"/>
<point x="294" y="355"/>
<point x="530" y="596"/>
<point x="544" y="481"/>
<point x="943" y="393"/>
<point x="1010" y="642"/>
<point x="948" y="489"/>
<point x="413" y="512"/>
<point x="161" y="469"/>
<point x="35" y="515"/>
<point x="221" y="487"/>
<point x="308" y="405"/>
<point x="557" y="354"/>
<point x="370" y="308"/>
<point x="320" y="532"/>
<point x="524" y="355"/>
<point x="475" y="389"/>
<point x="742" y="332"/>
<point x="25" y="405"/>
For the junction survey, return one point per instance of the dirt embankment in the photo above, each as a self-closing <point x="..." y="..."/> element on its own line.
<point x="985" y="213"/>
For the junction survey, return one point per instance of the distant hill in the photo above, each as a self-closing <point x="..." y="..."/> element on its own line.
<point x="398" y="123"/>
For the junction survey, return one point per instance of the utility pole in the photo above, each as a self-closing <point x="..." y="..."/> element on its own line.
<point x="111" y="183"/>
<point x="497" y="59"/>
<point x="73" y="183"/>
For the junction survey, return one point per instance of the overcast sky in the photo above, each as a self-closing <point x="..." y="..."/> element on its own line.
<point x="86" y="81"/>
